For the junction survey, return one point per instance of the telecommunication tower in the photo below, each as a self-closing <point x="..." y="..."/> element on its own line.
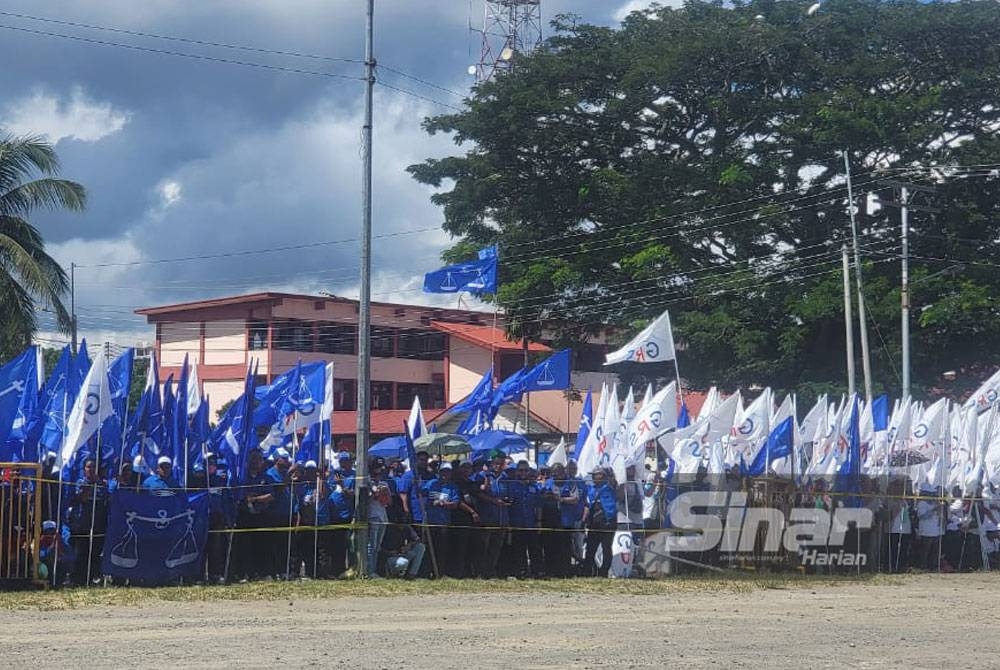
<point x="510" y="27"/>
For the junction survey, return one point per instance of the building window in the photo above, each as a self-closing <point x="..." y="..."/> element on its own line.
<point x="424" y="345"/>
<point x="292" y="335"/>
<point x="257" y="336"/>
<point x="431" y="395"/>
<point x="382" y="395"/>
<point x="345" y="395"/>
<point x="337" y="338"/>
<point x="383" y="342"/>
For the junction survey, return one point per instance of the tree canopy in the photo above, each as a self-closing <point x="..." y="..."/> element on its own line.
<point x="691" y="160"/>
<point x="28" y="275"/>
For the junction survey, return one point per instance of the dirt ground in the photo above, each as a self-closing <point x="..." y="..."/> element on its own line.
<point x="927" y="621"/>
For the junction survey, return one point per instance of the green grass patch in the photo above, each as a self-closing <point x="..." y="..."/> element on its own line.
<point x="77" y="598"/>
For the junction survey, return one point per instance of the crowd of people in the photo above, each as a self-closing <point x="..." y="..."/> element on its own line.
<point x="493" y="517"/>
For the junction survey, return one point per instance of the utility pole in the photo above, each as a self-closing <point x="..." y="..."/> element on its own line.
<point x="72" y="307"/>
<point x="364" y="305"/>
<point x="904" y="204"/>
<point x="848" y="319"/>
<point x="866" y="364"/>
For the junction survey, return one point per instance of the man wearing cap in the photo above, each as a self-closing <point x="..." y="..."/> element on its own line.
<point x="930" y="510"/>
<point x="409" y="492"/>
<point x="600" y="517"/>
<point x="88" y="517"/>
<point x="279" y="513"/>
<point x="162" y="478"/>
<point x="442" y="497"/>
<point x="221" y="513"/>
<point x="343" y="474"/>
<point x="493" y="504"/>
<point x="313" y="509"/>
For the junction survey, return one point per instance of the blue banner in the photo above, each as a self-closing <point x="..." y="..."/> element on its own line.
<point x="155" y="539"/>
<point x="552" y="374"/>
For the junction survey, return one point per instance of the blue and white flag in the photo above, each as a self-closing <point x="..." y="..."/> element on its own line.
<point x="92" y="406"/>
<point x="17" y="378"/>
<point x="509" y="390"/>
<point x="235" y="436"/>
<point x="552" y="374"/>
<point x="986" y="395"/>
<point x="480" y="396"/>
<point x="476" y="277"/>
<point x="51" y="425"/>
<point x="307" y="400"/>
<point x="779" y="445"/>
<point x="586" y="424"/>
<point x="415" y="424"/>
<point x="156" y="538"/>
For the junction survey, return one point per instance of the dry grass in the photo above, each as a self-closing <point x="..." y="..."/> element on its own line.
<point x="77" y="598"/>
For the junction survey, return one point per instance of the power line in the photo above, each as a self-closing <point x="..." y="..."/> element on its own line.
<point x="185" y="40"/>
<point x="181" y="54"/>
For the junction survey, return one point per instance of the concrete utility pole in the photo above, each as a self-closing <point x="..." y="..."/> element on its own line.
<point x="866" y="363"/>
<point x="848" y="320"/>
<point x="364" y="305"/>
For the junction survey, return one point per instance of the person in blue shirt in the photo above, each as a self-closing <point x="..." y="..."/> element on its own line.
<point x="88" y="514"/>
<point x="341" y="514"/>
<point x="441" y="497"/>
<point x="279" y="513"/>
<point x="493" y="507"/>
<point x="162" y="478"/>
<point x="600" y="518"/>
<point x="524" y="512"/>
<point x="409" y="492"/>
<point x="250" y="549"/>
<point x="343" y="474"/>
<point x="312" y="508"/>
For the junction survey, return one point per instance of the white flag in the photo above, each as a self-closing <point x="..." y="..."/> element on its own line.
<point x="783" y="466"/>
<point x="712" y="400"/>
<point x="720" y="425"/>
<point x="558" y="455"/>
<point x="986" y="395"/>
<point x="656" y="417"/>
<point x="415" y="424"/>
<point x="927" y="431"/>
<point x="654" y="344"/>
<point x="193" y="391"/>
<point x="751" y="429"/>
<point x="588" y="453"/>
<point x="91" y="407"/>
<point x="606" y="446"/>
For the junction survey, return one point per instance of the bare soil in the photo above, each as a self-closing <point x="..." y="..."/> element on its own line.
<point x="923" y="621"/>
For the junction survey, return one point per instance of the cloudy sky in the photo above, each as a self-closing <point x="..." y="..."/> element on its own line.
<point x="185" y="158"/>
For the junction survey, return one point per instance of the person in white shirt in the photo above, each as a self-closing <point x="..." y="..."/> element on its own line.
<point x="897" y="555"/>
<point x="930" y="527"/>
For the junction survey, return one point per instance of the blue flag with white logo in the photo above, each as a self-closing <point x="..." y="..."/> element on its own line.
<point x="235" y="435"/>
<point x="586" y="424"/>
<point x="509" y="390"/>
<point x="476" y="277"/>
<point x="552" y="374"/>
<point x="17" y="378"/>
<point x="52" y="422"/>
<point x="480" y="396"/>
<point x="848" y="479"/>
<point x="156" y="538"/>
<point x="779" y="444"/>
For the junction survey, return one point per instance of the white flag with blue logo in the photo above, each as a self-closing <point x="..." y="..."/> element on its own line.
<point x="655" y="344"/>
<point x="656" y="418"/>
<point x="91" y="408"/>
<point x="986" y="395"/>
<point x="751" y="430"/>
<point x="588" y="456"/>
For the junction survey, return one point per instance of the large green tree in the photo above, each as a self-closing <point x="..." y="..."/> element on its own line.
<point x="691" y="160"/>
<point x="29" y="277"/>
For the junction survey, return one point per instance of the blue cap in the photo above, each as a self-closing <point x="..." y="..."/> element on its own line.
<point x="344" y="455"/>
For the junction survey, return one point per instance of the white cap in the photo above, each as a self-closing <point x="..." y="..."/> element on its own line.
<point x="137" y="462"/>
<point x="48" y="525"/>
<point x="445" y="466"/>
<point x="281" y="452"/>
<point x="310" y="464"/>
<point x="164" y="460"/>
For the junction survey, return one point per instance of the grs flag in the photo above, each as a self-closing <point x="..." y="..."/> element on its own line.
<point x="476" y="277"/>
<point x="156" y="539"/>
<point x="654" y="344"/>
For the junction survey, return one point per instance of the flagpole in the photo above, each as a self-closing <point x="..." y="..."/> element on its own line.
<point x="364" y="304"/>
<point x="97" y="467"/>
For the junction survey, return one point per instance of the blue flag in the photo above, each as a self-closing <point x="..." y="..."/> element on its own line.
<point x="880" y="413"/>
<point x="199" y="434"/>
<point x="235" y="436"/>
<point x="180" y="427"/>
<point x="683" y="419"/>
<point x="848" y="479"/>
<point x="480" y="396"/>
<point x="510" y="390"/>
<point x="586" y="424"/>
<point x="476" y="277"/>
<point x="552" y="374"/>
<point x="168" y="446"/>
<point x="17" y="378"/>
<point x="156" y="539"/>
<point x="52" y="423"/>
<point x="779" y="444"/>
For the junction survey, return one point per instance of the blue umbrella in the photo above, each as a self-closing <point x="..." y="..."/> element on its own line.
<point x="390" y="447"/>
<point x="502" y="440"/>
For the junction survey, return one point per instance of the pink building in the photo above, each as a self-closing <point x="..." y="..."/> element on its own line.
<point x="436" y="354"/>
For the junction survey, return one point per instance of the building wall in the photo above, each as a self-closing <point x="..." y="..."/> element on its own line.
<point x="219" y="393"/>
<point x="177" y="339"/>
<point x="225" y="342"/>
<point x="466" y="365"/>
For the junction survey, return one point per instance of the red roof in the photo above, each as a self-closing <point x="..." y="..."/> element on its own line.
<point x="487" y="337"/>
<point x="383" y="421"/>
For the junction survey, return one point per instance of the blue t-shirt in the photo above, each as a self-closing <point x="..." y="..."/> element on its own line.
<point x="406" y="485"/>
<point x="572" y="513"/>
<point x="436" y="489"/>
<point x="282" y="503"/>
<point x="524" y="496"/>
<point x="316" y="509"/>
<point x="606" y="495"/>
<point x="490" y="514"/>
<point x="156" y="482"/>
<point x="342" y="502"/>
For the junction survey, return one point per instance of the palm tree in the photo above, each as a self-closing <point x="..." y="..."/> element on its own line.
<point x="28" y="275"/>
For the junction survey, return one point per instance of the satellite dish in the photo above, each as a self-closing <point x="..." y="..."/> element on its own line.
<point x="813" y="9"/>
<point x="471" y="70"/>
<point x="506" y="54"/>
